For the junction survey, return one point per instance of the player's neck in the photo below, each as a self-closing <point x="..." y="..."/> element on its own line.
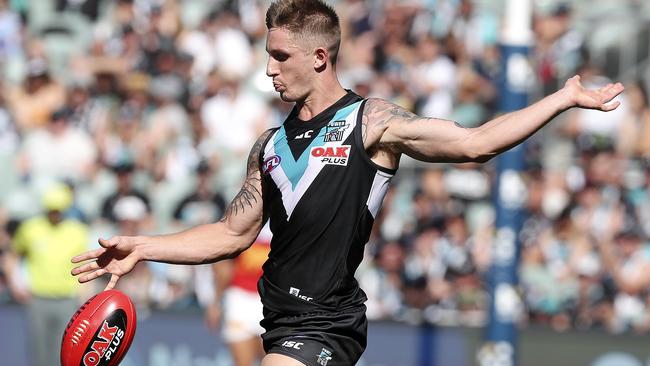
<point x="324" y="95"/>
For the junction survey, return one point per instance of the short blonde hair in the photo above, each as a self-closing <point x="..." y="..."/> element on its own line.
<point x="307" y="20"/>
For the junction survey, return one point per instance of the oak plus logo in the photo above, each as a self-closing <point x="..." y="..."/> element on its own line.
<point x="104" y="345"/>
<point x="332" y="155"/>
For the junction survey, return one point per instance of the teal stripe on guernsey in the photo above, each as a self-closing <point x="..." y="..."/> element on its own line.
<point x="294" y="169"/>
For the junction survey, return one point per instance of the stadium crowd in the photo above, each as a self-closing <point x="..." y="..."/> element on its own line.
<point x="146" y="111"/>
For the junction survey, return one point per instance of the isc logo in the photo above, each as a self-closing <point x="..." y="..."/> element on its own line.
<point x="296" y="292"/>
<point x="337" y="155"/>
<point x="292" y="344"/>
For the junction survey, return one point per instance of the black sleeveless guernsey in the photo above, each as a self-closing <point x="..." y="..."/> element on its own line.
<point x="322" y="193"/>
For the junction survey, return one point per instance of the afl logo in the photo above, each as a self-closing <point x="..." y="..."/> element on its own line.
<point x="270" y="163"/>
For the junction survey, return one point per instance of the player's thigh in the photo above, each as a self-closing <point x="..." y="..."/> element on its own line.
<point x="275" y="359"/>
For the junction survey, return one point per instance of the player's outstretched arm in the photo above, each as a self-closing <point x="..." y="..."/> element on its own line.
<point x="396" y="130"/>
<point x="234" y="233"/>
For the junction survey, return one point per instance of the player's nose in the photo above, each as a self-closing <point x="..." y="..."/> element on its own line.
<point x="271" y="68"/>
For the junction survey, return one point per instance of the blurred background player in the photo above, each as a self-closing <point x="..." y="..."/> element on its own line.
<point x="45" y="242"/>
<point x="237" y="305"/>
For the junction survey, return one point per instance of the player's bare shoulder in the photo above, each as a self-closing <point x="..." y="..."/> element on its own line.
<point x="378" y="116"/>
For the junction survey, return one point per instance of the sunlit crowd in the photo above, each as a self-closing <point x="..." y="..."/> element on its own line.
<point x="136" y="117"/>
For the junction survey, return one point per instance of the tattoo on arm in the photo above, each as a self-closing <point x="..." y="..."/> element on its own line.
<point x="378" y="114"/>
<point x="364" y="127"/>
<point x="381" y="112"/>
<point x="250" y="193"/>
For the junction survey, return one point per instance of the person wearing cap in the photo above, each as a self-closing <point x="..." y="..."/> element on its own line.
<point x="45" y="244"/>
<point x="131" y="213"/>
<point x="124" y="171"/>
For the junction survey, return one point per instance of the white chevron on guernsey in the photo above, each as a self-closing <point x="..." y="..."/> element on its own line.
<point x="291" y="197"/>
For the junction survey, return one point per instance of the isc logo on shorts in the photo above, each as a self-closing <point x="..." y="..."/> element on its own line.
<point x="332" y="155"/>
<point x="296" y="292"/>
<point x="292" y="344"/>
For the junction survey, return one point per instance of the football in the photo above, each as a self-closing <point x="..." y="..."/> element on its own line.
<point x="100" y="332"/>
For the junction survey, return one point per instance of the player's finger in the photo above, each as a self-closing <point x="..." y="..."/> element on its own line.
<point x="575" y="79"/>
<point x="85" y="268"/>
<point x="615" y="90"/>
<point x="610" y="106"/>
<point x="605" y="89"/>
<point x="108" y="243"/>
<point x="112" y="282"/>
<point x="92" y="275"/>
<point x="91" y="254"/>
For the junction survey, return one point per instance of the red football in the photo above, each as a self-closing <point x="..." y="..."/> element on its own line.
<point x="100" y="332"/>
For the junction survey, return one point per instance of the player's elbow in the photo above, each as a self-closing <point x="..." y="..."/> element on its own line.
<point x="476" y="153"/>
<point x="229" y="250"/>
<point x="483" y="158"/>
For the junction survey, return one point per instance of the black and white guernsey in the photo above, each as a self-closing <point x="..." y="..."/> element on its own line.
<point x="321" y="193"/>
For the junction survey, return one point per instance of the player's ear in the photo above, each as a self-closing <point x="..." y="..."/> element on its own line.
<point x="321" y="54"/>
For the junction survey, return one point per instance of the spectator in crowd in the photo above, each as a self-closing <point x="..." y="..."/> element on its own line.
<point x="33" y="102"/>
<point x="125" y="188"/>
<point x="627" y="261"/>
<point x="435" y="77"/>
<point x="383" y="283"/>
<point x="45" y="242"/>
<point x="634" y="137"/>
<point x="61" y="151"/>
<point x="130" y="213"/>
<point x="559" y="47"/>
<point x="203" y="205"/>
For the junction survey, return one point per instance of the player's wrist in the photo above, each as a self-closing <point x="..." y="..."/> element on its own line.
<point x="565" y="99"/>
<point x="141" y="249"/>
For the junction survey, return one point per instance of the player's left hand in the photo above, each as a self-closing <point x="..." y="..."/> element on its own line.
<point x="600" y="99"/>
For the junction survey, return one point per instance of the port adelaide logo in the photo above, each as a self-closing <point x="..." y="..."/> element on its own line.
<point x="334" y="131"/>
<point x="323" y="357"/>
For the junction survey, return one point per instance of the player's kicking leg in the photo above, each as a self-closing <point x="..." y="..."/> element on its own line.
<point x="275" y="359"/>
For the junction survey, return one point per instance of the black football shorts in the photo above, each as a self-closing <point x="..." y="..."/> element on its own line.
<point x="318" y="338"/>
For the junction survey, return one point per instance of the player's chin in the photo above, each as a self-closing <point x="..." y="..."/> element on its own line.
<point x="287" y="97"/>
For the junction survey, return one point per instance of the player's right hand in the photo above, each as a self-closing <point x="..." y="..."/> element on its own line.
<point x="117" y="256"/>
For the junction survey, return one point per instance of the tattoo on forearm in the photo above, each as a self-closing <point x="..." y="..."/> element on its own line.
<point x="250" y="193"/>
